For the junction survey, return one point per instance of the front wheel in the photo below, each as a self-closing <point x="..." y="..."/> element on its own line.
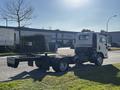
<point x="60" y="66"/>
<point x="99" y="60"/>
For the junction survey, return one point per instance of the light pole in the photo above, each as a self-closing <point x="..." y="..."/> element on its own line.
<point x="107" y="24"/>
<point x="6" y="21"/>
<point x="107" y="29"/>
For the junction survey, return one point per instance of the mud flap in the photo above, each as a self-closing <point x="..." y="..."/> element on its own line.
<point x="12" y="62"/>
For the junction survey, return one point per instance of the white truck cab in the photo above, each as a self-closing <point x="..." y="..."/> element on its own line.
<point x="91" y="46"/>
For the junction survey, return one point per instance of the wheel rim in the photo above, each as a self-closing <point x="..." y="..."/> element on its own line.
<point x="99" y="59"/>
<point x="63" y="66"/>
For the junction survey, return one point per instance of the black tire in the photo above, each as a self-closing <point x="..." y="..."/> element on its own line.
<point x="99" y="60"/>
<point x="42" y="64"/>
<point x="60" y="65"/>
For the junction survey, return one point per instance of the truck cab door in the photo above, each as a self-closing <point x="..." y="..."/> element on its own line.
<point x="102" y="45"/>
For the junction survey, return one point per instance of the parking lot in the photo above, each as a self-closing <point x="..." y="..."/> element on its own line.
<point x="6" y="73"/>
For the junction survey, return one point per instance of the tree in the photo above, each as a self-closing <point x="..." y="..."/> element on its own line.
<point x="18" y="11"/>
<point x="86" y="30"/>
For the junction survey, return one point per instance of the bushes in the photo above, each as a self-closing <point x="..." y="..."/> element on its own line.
<point x="4" y="49"/>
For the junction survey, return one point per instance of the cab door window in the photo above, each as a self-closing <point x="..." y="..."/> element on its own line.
<point x="102" y="40"/>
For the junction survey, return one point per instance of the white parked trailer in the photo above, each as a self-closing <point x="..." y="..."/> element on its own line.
<point x="7" y="37"/>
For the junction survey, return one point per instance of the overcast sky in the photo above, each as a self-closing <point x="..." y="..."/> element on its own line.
<point x="73" y="15"/>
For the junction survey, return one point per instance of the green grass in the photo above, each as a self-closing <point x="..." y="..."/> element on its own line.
<point x="86" y="77"/>
<point x="7" y="54"/>
<point x="13" y="53"/>
<point x="114" y="49"/>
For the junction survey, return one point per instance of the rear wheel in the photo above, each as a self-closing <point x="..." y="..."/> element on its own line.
<point x="99" y="60"/>
<point x="60" y="66"/>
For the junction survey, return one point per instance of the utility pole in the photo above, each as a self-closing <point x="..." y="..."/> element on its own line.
<point x="6" y="21"/>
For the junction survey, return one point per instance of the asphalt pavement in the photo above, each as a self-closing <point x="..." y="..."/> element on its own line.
<point x="7" y="73"/>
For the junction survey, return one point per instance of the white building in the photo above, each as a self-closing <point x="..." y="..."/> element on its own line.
<point x="115" y="38"/>
<point x="55" y="38"/>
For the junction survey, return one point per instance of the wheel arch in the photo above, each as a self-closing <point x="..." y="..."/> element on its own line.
<point x="100" y="53"/>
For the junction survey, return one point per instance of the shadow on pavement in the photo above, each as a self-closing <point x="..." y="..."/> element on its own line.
<point x="107" y="74"/>
<point x="36" y="75"/>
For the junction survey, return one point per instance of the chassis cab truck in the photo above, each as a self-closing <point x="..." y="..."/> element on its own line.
<point x="89" y="47"/>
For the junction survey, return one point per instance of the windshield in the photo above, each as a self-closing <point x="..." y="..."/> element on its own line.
<point x="83" y="37"/>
